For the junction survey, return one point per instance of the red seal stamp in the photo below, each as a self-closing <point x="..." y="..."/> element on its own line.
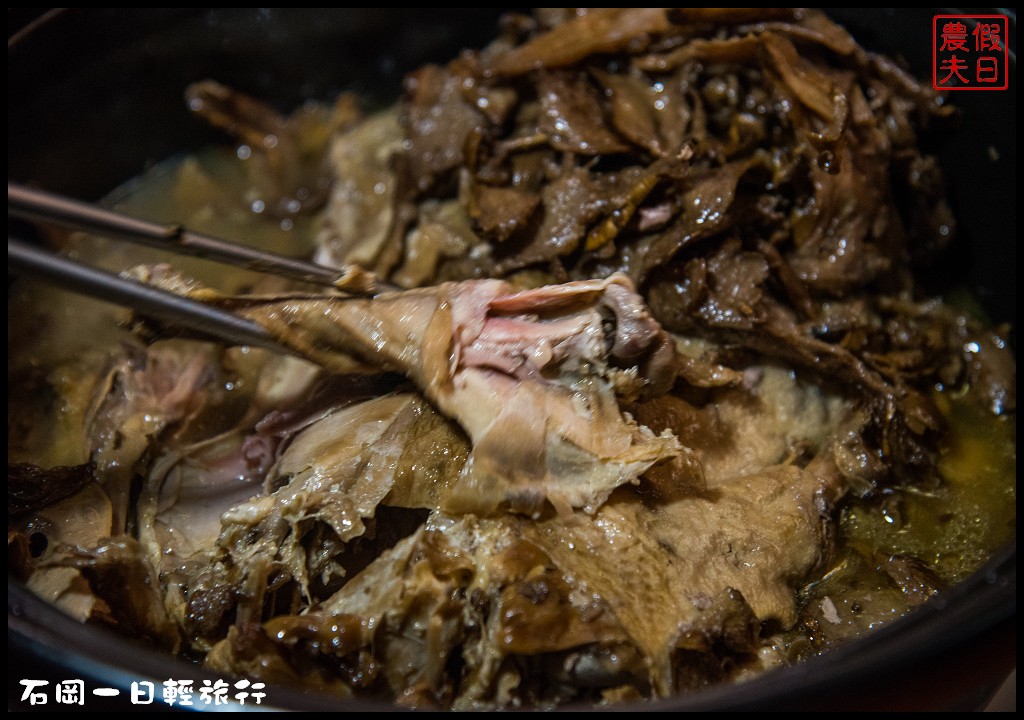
<point x="969" y="52"/>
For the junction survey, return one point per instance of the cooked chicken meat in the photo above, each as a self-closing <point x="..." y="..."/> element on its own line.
<point x="531" y="377"/>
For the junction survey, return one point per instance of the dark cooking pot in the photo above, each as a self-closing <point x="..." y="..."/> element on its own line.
<point x="95" y="95"/>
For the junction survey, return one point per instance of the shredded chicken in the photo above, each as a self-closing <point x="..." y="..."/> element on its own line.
<point x="531" y="377"/>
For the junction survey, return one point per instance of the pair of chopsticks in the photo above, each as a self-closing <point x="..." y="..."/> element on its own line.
<point x="199" y="319"/>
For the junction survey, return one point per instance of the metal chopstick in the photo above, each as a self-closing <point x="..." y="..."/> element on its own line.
<point x="41" y="206"/>
<point x="151" y="301"/>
